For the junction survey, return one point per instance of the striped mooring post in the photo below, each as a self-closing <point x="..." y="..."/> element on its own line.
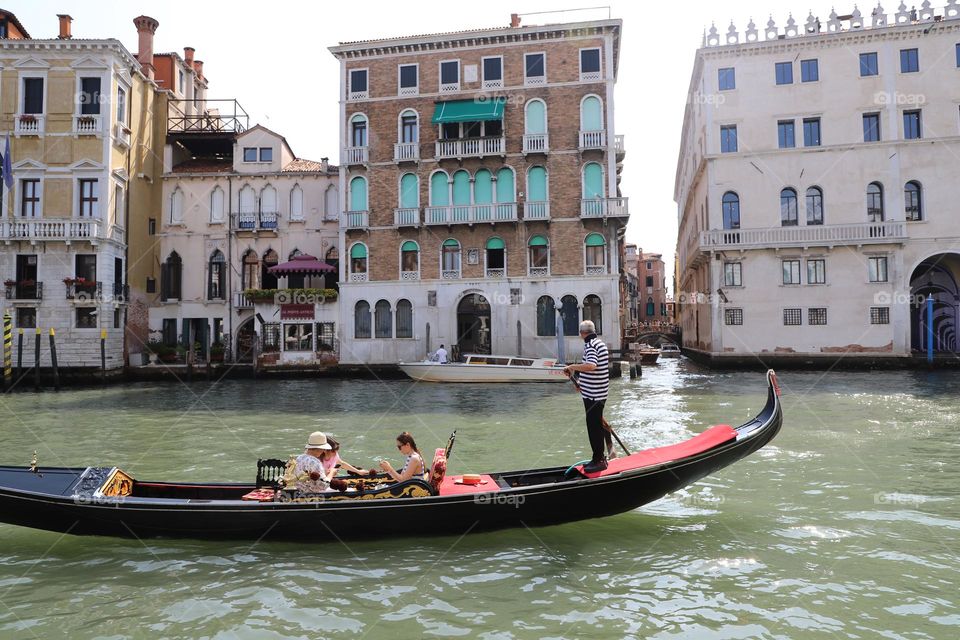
<point x="7" y="350"/>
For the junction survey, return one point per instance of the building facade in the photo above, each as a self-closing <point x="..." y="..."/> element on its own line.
<point x="481" y="201"/>
<point x="652" y="282"/>
<point x="814" y="188"/>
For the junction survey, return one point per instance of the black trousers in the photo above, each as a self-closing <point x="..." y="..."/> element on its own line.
<point x="595" y="431"/>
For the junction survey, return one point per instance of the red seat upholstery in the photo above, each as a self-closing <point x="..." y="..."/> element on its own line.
<point x="454" y="485"/>
<point x="710" y="438"/>
<point x="438" y="469"/>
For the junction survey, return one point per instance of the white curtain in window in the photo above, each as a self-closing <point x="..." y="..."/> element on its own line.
<point x="216" y="205"/>
<point x="296" y="203"/>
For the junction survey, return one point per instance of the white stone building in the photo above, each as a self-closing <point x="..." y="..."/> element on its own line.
<point x="816" y="188"/>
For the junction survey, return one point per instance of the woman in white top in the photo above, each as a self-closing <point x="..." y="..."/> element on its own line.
<point x="413" y="465"/>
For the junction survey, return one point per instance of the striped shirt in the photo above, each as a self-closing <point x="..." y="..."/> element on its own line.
<point x="595" y="384"/>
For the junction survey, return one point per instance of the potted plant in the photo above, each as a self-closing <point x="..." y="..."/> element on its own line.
<point x="9" y="283"/>
<point x="28" y="117"/>
<point x="29" y="282"/>
<point x="216" y="352"/>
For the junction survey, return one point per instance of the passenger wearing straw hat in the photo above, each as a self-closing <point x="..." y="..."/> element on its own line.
<point x="308" y="470"/>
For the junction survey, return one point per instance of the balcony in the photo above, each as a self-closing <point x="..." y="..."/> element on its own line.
<point x="121" y="292"/>
<point x="827" y="235"/>
<point x="409" y="275"/>
<point x="470" y="147"/>
<point x="242" y="300"/>
<point x="356" y="155"/>
<point x="121" y="135"/>
<point x="536" y="143"/>
<point x="90" y="230"/>
<point x="593" y="140"/>
<point x="28" y="124"/>
<point x="406" y="152"/>
<point x="358" y="277"/>
<point x="536" y="211"/>
<point x="471" y="213"/>
<point x="539" y="272"/>
<point x="618" y="145"/>
<point x="206" y="116"/>
<point x="265" y="220"/>
<point x="356" y="220"/>
<point x="87" y="125"/>
<point x="82" y="290"/>
<point x="496" y="273"/>
<point x="450" y="274"/>
<point x="24" y="290"/>
<point x="409" y="217"/>
<point x="604" y="208"/>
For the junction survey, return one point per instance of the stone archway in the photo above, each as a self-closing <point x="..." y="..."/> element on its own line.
<point x="246" y="336"/>
<point x="937" y="277"/>
<point x="473" y="324"/>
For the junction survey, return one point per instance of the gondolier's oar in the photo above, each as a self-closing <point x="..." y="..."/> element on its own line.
<point x="603" y="421"/>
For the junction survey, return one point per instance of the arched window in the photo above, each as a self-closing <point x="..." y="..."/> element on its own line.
<point x="505" y="186"/>
<point x="358" y="130"/>
<point x="171" y="278"/>
<point x="593" y="310"/>
<point x="596" y="253"/>
<point x="539" y="256"/>
<point x="404" y="319"/>
<point x="788" y="208"/>
<point x="176" y="206"/>
<point x="251" y="268"/>
<point x="409" y="127"/>
<point x="382" y="320"/>
<point x="875" y="202"/>
<point x="267" y="279"/>
<point x="268" y="208"/>
<point x="537" y="184"/>
<point x="593" y="191"/>
<point x="409" y="261"/>
<point x="217" y="276"/>
<point x="439" y="189"/>
<point x="296" y="203"/>
<point x="650" y="307"/>
<point x="483" y="187"/>
<point x="248" y="200"/>
<point x="358" y="262"/>
<point x="409" y="191"/>
<point x="570" y="315"/>
<point x="461" y="188"/>
<point x="331" y="203"/>
<point x="450" y="259"/>
<point x="535" y="121"/>
<point x="358" y="194"/>
<point x="731" y="210"/>
<point x="216" y="205"/>
<point x="496" y="256"/>
<point x="546" y="317"/>
<point x="591" y="114"/>
<point x="912" y="201"/>
<point x="814" y="206"/>
<point x="361" y="319"/>
<point x="330" y="279"/>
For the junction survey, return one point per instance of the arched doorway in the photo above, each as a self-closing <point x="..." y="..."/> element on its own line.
<point x="473" y="324"/>
<point x="935" y="277"/>
<point x="246" y="337"/>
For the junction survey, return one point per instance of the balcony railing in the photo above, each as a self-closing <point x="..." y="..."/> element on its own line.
<point x="593" y="139"/>
<point x="409" y="275"/>
<point x="536" y="211"/>
<point x="358" y="277"/>
<point x="121" y="292"/>
<point x="87" y="125"/>
<point x="28" y="124"/>
<point x="618" y="144"/>
<point x="356" y="219"/>
<point x="406" y="217"/>
<point x="85" y="291"/>
<point x="810" y="235"/>
<point x="604" y="208"/>
<point x="536" y="142"/>
<point x="539" y="271"/>
<point x="450" y="274"/>
<point x="406" y="151"/>
<point x="596" y="269"/>
<point x="356" y="155"/>
<point x="470" y="147"/>
<point x="121" y="135"/>
<point x="25" y="290"/>
<point x="496" y="273"/>
<point x="53" y="230"/>
<point x="471" y="213"/>
<point x="242" y="301"/>
<point x="254" y="221"/>
<point x="206" y="116"/>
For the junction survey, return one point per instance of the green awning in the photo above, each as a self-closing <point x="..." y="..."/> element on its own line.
<point x="409" y="245"/>
<point x="538" y="241"/>
<point x="595" y="240"/>
<point x="358" y="251"/>
<point x="450" y="242"/>
<point x="469" y="110"/>
<point x="495" y="243"/>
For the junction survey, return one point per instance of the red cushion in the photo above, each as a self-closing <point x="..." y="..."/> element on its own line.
<point x="649" y="457"/>
<point x="452" y="486"/>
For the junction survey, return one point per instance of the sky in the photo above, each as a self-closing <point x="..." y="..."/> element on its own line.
<point x="277" y="65"/>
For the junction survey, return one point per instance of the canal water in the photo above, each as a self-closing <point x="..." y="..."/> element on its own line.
<point x="847" y="525"/>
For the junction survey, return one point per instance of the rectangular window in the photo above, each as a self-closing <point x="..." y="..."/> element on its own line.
<point x="877" y="268"/>
<point x="784" y="72"/>
<point x="811" y="132"/>
<point x="909" y="61"/>
<point x="358" y="84"/>
<point x="868" y="65"/>
<point x="183" y="83"/>
<point x="151" y="226"/>
<point x="30" y="197"/>
<point x="809" y="70"/>
<point x="817" y="315"/>
<point x="450" y="75"/>
<point x="86" y="317"/>
<point x="958" y="55"/>
<point x="266" y="154"/>
<point x="879" y="315"/>
<point x="792" y="317"/>
<point x="732" y="274"/>
<point x="911" y="125"/>
<point x="728" y="138"/>
<point x="733" y="317"/>
<point x="408" y="128"/>
<point x="791" y="271"/>
<point x="534" y="68"/>
<point x="85" y="266"/>
<point x="118" y="205"/>
<point x="121" y="105"/>
<point x="589" y="64"/>
<point x="786" y="138"/>
<point x="871" y="127"/>
<point x="727" y="79"/>
<point x="817" y="271"/>
<point x="89" y="96"/>
<point x="88" y="198"/>
<point x="493" y="72"/>
<point x="27" y="317"/>
<point x="249" y="154"/>
<point x="409" y="81"/>
<point x="33" y="95"/>
<point x="151" y="285"/>
<point x="649" y="281"/>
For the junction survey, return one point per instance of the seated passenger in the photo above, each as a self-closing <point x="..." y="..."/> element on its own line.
<point x="413" y="466"/>
<point x="331" y="461"/>
<point x="309" y="471"/>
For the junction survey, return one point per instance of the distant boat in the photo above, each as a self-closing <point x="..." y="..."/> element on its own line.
<point x="484" y="368"/>
<point x="648" y="355"/>
<point x="669" y="350"/>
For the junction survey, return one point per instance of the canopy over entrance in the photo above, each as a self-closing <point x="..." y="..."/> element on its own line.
<point x="302" y="264"/>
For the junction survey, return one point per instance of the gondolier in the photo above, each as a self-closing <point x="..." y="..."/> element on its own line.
<point x="594" y="383"/>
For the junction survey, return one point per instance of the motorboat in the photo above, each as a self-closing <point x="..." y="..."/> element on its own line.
<point x="487" y="368"/>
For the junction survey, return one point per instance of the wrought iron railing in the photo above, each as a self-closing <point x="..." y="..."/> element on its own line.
<point x="206" y="116"/>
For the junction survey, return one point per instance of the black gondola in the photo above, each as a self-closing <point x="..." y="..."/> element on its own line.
<point x="105" y="501"/>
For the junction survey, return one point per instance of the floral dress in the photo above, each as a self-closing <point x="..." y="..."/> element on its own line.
<point x="307" y="465"/>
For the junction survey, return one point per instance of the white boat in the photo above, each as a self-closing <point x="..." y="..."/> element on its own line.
<point x="484" y="368"/>
<point x="669" y="350"/>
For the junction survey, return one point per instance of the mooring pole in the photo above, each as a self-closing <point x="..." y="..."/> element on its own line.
<point x="53" y="360"/>
<point x="7" y="350"/>
<point x="19" y="354"/>
<point x="36" y="362"/>
<point x="930" y="328"/>
<point x="103" y="356"/>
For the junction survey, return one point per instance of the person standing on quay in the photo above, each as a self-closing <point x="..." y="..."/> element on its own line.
<point x="594" y="383"/>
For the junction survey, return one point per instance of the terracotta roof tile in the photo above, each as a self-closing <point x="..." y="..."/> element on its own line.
<point x="301" y="165"/>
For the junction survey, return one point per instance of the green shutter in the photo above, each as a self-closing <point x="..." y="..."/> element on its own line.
<point x="461" y="187"/>
<point x="450" y="242"/>
<point x="495" y="243"/>
<point x="591" y="116"/>
<point x="409" y="191"/>
<point x="595" y="240"/>
<point x="483" y="187"/>
<point x="358" y="194"/>
<point x="358" y="251"/>
<point x="537" y="185"/>
<point x="439" y="190"/>
<point x="505" y="186"/>
<point x="469" y="110"/>
<point x="538" y="241"/>
<point x="409" y="245"/>
<point x="536" y="117"/>
<point x="592" y="181"/>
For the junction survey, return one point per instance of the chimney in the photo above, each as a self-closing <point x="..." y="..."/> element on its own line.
<point x="188" y="56"/>
<point x="146" y="27"/>
<point x="198" y="68"/>
<point x="65" y="21"/>
<point x="514" y="20"/>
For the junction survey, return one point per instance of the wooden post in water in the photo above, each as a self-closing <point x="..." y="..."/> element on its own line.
<point x="519" y="343"/>
<point x="19" y="354"/>
<point x="7" y="350"/>
<point x="36" y="362"/>
<point x="103" y="356"/>
<point x="255" y="347"/>
<point x="53" y="360"/>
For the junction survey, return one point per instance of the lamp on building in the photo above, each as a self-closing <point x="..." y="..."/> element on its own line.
<point x="723" y="296"/>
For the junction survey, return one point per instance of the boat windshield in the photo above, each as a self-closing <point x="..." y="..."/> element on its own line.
<point x="520" y="362"/>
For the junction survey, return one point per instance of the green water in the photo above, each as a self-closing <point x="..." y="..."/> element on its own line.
<point x="847" y="525"/>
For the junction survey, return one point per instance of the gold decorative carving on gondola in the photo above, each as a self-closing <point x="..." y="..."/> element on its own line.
<point x="118" y="484"/>
<point x="409" y="489"/>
